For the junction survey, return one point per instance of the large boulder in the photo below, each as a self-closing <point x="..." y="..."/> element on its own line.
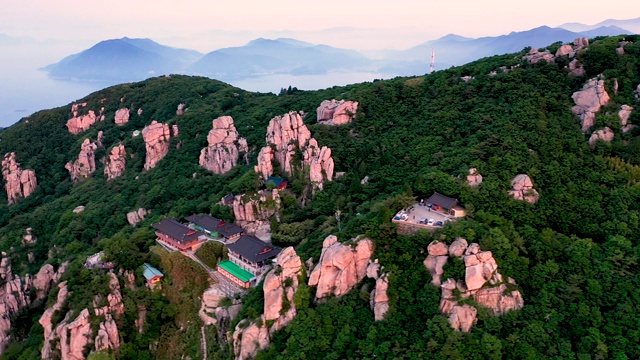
<point x="81" y="123"/>
<point x="341" y="267"/>
<point x="522" y="189"/>
<point x="74" y="336"/>
<point x="624" y="113"/>
<point x="18" y="183"/>
<point x="224" y="148"/>
<point x="379" y="298"/>
<point x="156" y="138"/>
<point x="85" y="165"/>
<point x="605" y="135"/>
<point x="253" y="213"/>
<point x="462" y="318"/>
<point x="45" y="320"/>
<point x="474" y="178"/>
<point x="588" y="101"/>
<point x="122" y="116"/>
<point x="334" y="112"/>
<point x="115" y="162"/>
<point x="137" y="216"/>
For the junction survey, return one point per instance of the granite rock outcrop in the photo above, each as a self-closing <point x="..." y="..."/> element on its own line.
<point x="156" y="138"/>
<point x="280" y="286"/>
<point x="334" y="112"/>
<point x="379" y="299"/>
<point x="474" y="178"/>
<point x="85" y="165"/>
<point x="253" y="213"/>
<point x="224" y="147"/>
<point x="588" y="102"/>
<point x="16" y="293"/>
<point x="285" y="135"/>
<point x="340" y="267"/>
<point x="249" y="340"/>
<point x="137" y="216"/>
<point x="115" y="162"/>
<point x="522" y="189"/>
<point x="482" y="282"/>
<point x="80" y="123"/>
<point x="18" y="183"/>
<point x="122" y="116"/>
<point x="605" y="134"/>
<point x="624" y="113"/>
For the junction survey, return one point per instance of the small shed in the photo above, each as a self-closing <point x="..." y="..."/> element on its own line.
<point x="151" y="274"/>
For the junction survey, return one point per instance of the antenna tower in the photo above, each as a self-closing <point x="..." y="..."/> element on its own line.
<point x="432" y="68"/>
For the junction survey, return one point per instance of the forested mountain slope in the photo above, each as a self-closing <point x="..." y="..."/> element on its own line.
<point x="574" y="253"/>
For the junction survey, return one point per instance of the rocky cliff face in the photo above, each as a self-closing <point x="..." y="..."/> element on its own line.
<point x="225" y="147"/>
<point x="482" y="282"/>
<point x="156" y="138"/>
<point x="73" y="335"/>
<point x="18" y="183"/>
<point x="605" y="134"/>
<point x="249" y="340"/>
<point x="340" y="267"/>
<point x="115" y="162"/>
<point x="333" y="112"/>
<point x="588" y="102"/>
<point x="280" y="286"/>
<point x="122" y="116"/>
<point x="85" y="165"/>
<point x="134" y="217"/>
<point x="285" y="135"/>
<point x="254" y="213"/>
<point x="522" y="189"/>
<point x="15" y="294"/>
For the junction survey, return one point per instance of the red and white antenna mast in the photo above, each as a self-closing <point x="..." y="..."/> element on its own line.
<point x="432" y="68"/>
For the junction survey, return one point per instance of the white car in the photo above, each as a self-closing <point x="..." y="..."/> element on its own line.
<point x="430" y="222"/>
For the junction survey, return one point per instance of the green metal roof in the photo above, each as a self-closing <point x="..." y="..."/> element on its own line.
<point x="150" y="272"/>
<point x="236" y="270"/>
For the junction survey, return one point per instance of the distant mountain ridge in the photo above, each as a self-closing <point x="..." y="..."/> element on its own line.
<point x="136" y="59"/>
<point x="632" y="25"/>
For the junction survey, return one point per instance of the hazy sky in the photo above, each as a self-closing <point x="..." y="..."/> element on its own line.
<point x="209" y="24"/>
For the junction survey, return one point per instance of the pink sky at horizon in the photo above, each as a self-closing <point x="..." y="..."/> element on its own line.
<point x="207" y="25"/>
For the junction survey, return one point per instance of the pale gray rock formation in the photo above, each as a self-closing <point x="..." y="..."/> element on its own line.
<point x="285" y="135"/>
<point x="18" y="183"/>
<point x="576" y="68"/>
<point x="605" y="134"/>
<point x="85" y="165"/>
<point x="253" y="213"/>
<point x="341" y="267"/>
<point x="115" y="162"/>
<point x="588" y="102"/>
<point x="334" y="112"/>
<point x="379" y="299"/>
<point x="482" y="282"/>
<point x="28" y="238"/>
<point x="122" y="116"/>
<point x="180" y="109"/>
<point x="137" y="216"/>
<point x="156" y="138"/>
<point x="522" y="189"/>
<point x="474" y="178"/>
<point x="225" y="147"/>
<point x="438" y="253"/>
<point x="280" y="285"/>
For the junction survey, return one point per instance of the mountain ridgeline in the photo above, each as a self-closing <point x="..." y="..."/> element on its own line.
<point x="560" y="119"/>
<point x="136" y="59"/>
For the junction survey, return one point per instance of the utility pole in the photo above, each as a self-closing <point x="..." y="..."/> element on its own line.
<point x="432" y="68"/>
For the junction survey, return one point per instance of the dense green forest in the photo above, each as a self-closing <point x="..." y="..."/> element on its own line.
<point x="574" y="254"/>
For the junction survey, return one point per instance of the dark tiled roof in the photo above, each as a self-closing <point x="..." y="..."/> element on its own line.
<point x="206" y="222"/>
<point x="177" y="231"/>
<point x="442" y="201"/>
<point x="254" y="249"/>
<point x="228" y="230"/>
<point x="228" y="199"/>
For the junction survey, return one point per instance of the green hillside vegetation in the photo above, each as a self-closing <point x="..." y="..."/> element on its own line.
<point x="574" y="254"/>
